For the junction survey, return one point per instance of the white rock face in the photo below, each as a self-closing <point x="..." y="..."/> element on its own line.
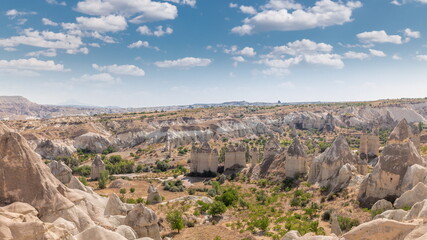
<point x="296" y="162"/>
<point x="126" y="232"/>
<point x="333" y="168"/>
<point x="97" y="167"/>
<point x="382" y="205"/>
<point x="414" y="174"/>
<point x="409" y="198"/>
<point x="50" y="149"/>
<point x="115" y="206"/>
<point x="144" y="221"/>
<point x="93" y="142"/>
<point x="76" y="184"/>
<point x="153" y="195"/>
<point x="291" y="235"/>
<point x="203" y="159"/>
<point x="61" y="171"/>
<point x="419" y="210"/>
<point x="235" y="157"/>
<point x="97" y="232"/>
<point x="397" y="215"/>
<point x="380" y="229"/>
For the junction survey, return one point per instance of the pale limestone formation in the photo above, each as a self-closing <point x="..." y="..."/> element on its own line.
<point x="397" y="215"/>
<point x="61" y="171"/>
<point x="254" y="155"/>
<point x="296" y="163"/>
<point x="369" y="146"/>
<point x="76" y="184"/>
<point x="382" y="205"/>
<point x="126" y="232"/>
<point x="50" y="149"/>
<point x="97" y="167"/>
<point x="403" y="132"/>
<point x="291" y="235"/>
<point x="97" y="232"/>
<point x="153" y="195"/>
<point x="92" y="142"/>
<point x="329" y="123"/>
<point x="235" y="158"/>
<point x="203" y="159"/>
<point x="334" y="168"/>
<point x="409" y="198"/>
<point x="418" y="210"/>
<point x="144" y="221"/>
<point x="115" y="206"/>
<point x="380" y="229"/>
<point x="414" y="174"/>
<point x="273" y="159"/>
<point x="386" y="180"/>
<point x="335" y="226"/>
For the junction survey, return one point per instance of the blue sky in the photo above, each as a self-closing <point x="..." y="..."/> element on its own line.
<point x="135" y="53"/>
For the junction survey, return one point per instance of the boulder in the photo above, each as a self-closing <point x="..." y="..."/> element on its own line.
<point x="418" y="210"/>
<point x="97" y="232"/>
<point x="380" y="229"/>
<point x="414" y="174"/>
<point x="291" y="235"/>
<point x="409" y="198"/>
<point x="49" y="149"/>
<point x="97" y="167"/>
<point x="93" y="142"/>
<point x="382" y="205"/>
<point x="76" y="184"/>
<point x="61" y="171"/>
<point x="397" y="215"/>
<point x="153" y="195"/>
<point x="115" y="206"/>
<point x="333" y="168"/>
<point x="126" y="232"/>
<point x="144" y="221"/>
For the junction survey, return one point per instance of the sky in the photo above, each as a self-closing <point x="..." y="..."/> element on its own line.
<point x="141" y="53"/>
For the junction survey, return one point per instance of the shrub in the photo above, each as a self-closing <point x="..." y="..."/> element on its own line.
<point x="103" y="179"/>
<point x="262" y="223"/>
<point x="109" y="150"/>
<point x="123" y="191"/>
<point x="83" y="180"/>
<point x="132" y="190"/>
<point x="191" y="191"/>
<point x="287" y="184"/>
<point x="175" y="219"/>
<point x="229" y="197"/>
<point x="326" y="216"/>
<point x="82" y="171"/>
<point x="347" y="223"/>
<point x="217" y="208"/>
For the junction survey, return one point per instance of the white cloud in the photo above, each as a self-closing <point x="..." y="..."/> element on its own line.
<point x="48" y="22"/>
<point x="185" y="63"/>
<point x="282" y="4"/>
<point x="421" y="57"/>
<point x="191" y="3"/>
<point x="12" y="13"/>
<point x="332" y="60"/>
<point x="102" y="78"/>
<point x="355" y="55"/>
<point x="248" y="10"/>
<point x="44" y="39"/>
<point x="304" y="46"/>
<point x="140" y="10"/>
<point x="246" y="51"/>
<point x="396" y="57"/>
<point x="409" y="34"/>
<point x="400" y="3"/>
<point x="377" y="53"/>
<point x="10" y="49"/>
<point x="238" y="59"/>
<point x="32" y="64"/>
<point x="130" y="70"/>
<point x="379" y="37"/>
<point x="111" y="23"/>
<point x="55" y="2"/>
<point x="46" y="53"/>
<point x="233" y="5"/>
<point x="83" y="50"/>
<point x="140" y="43"/>
<point x="323" y="14"/>
<point x="145" y="30"/>
<point x="94" y="45"/>
<point x="21" y="21"/>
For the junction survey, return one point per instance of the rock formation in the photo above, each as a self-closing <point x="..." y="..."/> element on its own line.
<point x="403" y="132"/>
<point x="61" y="171"/>
<point x="296" y="162"/>
<point x="203" y="159"/>
<point x="382" y="205"/>
<point x="115" y="206"/>
<point x="409" y="198"/>
<point x="153" y="195"/>
<point x="97" y="232"/>
<point x="385" y="181"/>
<point x="235" y="158"/>
<point x="369" y="146"/>
<point x="97" y="167"/>
<point x="329" y="123"/>
<point x="333" y="168"/>
<point x="92" y="142"/>
<point x="49" y="149"/>
<point x="380" y="229"/>
<point x="144" y="221"/>
<point x="273" y="158"/>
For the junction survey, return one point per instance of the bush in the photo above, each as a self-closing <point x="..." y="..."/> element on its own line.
<point x="162" y="166"/>
<point x="83" y="180"/>
<point x="204" y="207"/>
<point x="173" y="186"/>
<point x="71" y="162"/>
<point x="117" y="165"/>
<point x="300" y="198"/>
<point x="191" y="191"/>
<point x="261" y="223"/>
<point x="326" y="216"/>
<point x="347" y="223"/>
<point x="132" y="190"/>
<point x="217" y="208"/>
<point x="287" y="184"/>
<point x="229" y="197"/>
<point x="103" y="179"/>
<point x="175" y="219"/>
<point x="109" y="150"/>
<point x="82" y="171"/>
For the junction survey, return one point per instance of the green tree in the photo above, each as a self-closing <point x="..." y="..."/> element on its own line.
<point x="217" y="208"/>
<point x="132" y="190"/>
<point x="175" y="219"/>
<point x="103" y="179"/>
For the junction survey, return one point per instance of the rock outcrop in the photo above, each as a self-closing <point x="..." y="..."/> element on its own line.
<point x="97" y="232"/>
<point x="61" y="171"/>
<point x="380" y="229"/>
<point x="296" y="163"/>
<point x="92" y="142"/>
<point x="203" y="159"/>
<point x="382" y="205"/>
<point x="235" y="158"/>
<point x="369" y="147"/>
<point x="115" y="206"/>
<point x="409" y="198"/>
<point x="97" y="167"/>
<point x="144" y="221"/>
<point x="153" y="195"/>
<point x="386" y="180"/>
<point x="334" y="168"/>
<point x="49" y="149"/>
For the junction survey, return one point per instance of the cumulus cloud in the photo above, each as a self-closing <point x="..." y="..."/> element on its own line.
<point x="48" y="22"/>
<point x="139" y="44"/>
<point x="111" y="23"/>
<point x="55" y="2"/>
<point x="139" y="11"/>
<point x="299" y="47"/>
<point x="158" y="32"/>
<point x="32" y="64"/>
<point x="400" y="3"/>
<point x="185" y="63"/>
<point x="396" y="57"/>
<point x="282" y="4"/>
<point x="377" y="53"/>
<point x="409" y="34"/>
<point x="233" y="5"/>
<point x="191" y="3"/>
<point x="248" y="10"/>
<point x="379" y="37"/>
<point x="46" y="53"/>
<point x="102" y="78"/>
<point x="355" y="55"/>
<point x="130" y="70"/>
<point x="421" y="57"/>
<point x="83" y="50"/>
<point x="44" y="39"/>
<point x="246" y="51"/>
<point x="12" y="13"/>
<point x="323" y="14"/>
